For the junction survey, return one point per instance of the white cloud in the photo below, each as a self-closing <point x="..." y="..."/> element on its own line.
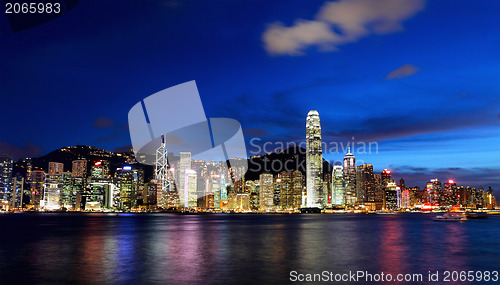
<point x="354" y="19"/>
<point x="279" y="39"/>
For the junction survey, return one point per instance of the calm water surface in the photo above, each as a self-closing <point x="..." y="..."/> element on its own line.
<point x="236" y="249"/>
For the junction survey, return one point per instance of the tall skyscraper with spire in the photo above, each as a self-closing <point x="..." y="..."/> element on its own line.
<point x="314" y="161"/>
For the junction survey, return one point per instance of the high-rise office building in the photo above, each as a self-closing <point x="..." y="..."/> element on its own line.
<point x="184" y="166"/>
<point x="67" y="196"/>
<point x="365" y="183"/>
<point x="79" y="169"/>
<point x="37" y="184"/>
<point x="149" y="198"/>
<point x="433" y="191"/>
<point x="5" y="179"/>
<point x="386" y="178"/>
<point x="338" y="187"/>
<point x="191" y="189"/>
<point x="161" y="174"/>
<point x="53" y="186"/>
<point x="314" y="161"/>
<point x="266" y="192"/>
<point x="17" y="192"/>
<point x="350" y="178"/>
<point x="55" y="168"/>
<point x="392" y="197"/>
<point x="449" y="193"/>
<point x="129" y="179"/>
<point x="297" y="188"/>
<point x="286" y="199"/>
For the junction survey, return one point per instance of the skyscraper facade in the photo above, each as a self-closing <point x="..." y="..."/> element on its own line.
<point x="338" y="189"/>
<point x="314" y="161"/>
<point x="79" y="169"/>
<point x="350" y="178"/>
<point x="55" y="168"/>
<point x="184" y="166"/>
<point x="266" y="192"/>
<point x="5" y="178"/>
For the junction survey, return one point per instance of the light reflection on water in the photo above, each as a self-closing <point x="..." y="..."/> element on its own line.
<point x="215" y="249"/>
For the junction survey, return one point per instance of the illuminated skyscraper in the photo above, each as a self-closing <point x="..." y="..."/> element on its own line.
<point x="55" y="168"/>
<point x="191" y="189"/>
<point x="67" y="198"/>
<point x="433" y="191"/>
<point x="392" y="197"/>
<point x="184" y="166"/>
<point x="386" y="178"/>
<point x="53" y="186"/>
<point x="365" y="183"/>
<point x="314" y="161"/>
<point x="129" y="180"/>
<point x="161" y="170"/>
<point x="79" y="169"/>
<point x="338" y="189"/>
<point x="284" y="180"/>
<point x="5" y="178"/>
<point x="37" y="184"/>
<point x="17" y="192"/>
<point x="350" y="178"/>
<point x="266" y="192"/>
<point x="297" y="188"/>
<point x="450" y="193"/>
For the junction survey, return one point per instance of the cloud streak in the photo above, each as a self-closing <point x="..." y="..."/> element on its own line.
<point x="103" y="122"/>
<point x="339" y="23"/>
<point x="402" y="72"/>
<point x="28" y="150"/>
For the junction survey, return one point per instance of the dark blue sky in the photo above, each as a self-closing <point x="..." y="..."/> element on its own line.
<point x="421" y="79"/>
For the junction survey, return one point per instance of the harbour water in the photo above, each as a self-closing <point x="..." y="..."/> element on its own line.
<point x="93" y="248"/>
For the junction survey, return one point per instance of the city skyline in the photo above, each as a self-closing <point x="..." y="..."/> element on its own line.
<point x="191" y="183"/>
<point x="424" y="89"/>
<point x="249" y="142"/>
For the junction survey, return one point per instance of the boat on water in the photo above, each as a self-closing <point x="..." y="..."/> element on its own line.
<point x="451" y="217"/>
<point x="476" y="215"/>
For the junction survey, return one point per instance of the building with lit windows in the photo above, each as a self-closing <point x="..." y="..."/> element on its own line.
<point x="129" y="179"/>
<point x="190" y="189"/>
<point x="433" y="191"/>
<point x="297" y="189"/>
<point x="314" y="161"/>
<point x="67" y="190"/>
<point x="386" y="178"/>
<point x="37" y="185"/>
<point x="338" y="189"/>
<point x="449" y="197"/>
<point x="350" y="178"/>
<point x="5" y="180"/>
<point x="184" y="166"/>
<point x="79" y="169"/>
<point x="17" y="192"/>
<point x="392" y="197"/>
<point x="266" y="192"/>
<point x="365" y="183"/>
<point x="53" y="187"/>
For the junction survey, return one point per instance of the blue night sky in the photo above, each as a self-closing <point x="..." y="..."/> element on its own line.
<point x="421" y="79"/>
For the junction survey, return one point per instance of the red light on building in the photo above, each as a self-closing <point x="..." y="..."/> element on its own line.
<point x="451" y="181"/>
<point x="98" y="163"/>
